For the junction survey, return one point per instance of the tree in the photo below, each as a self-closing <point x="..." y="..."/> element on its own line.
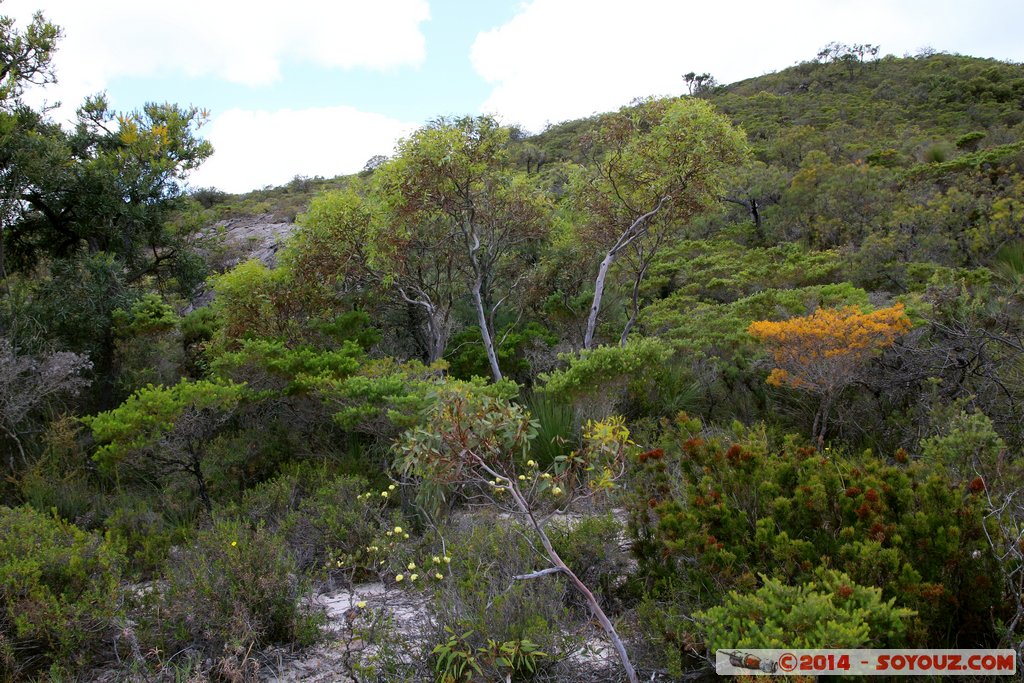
<point x="84" y="211"/>
<point x="481" y="445"/>
<point x="834" y="204"/>
<point x="26" y="57"/>
<point x="373" y="163"/>
<point x="755" y="187"/>
<point x="699" y="84"/>
<point x="457" y="175"/>
<point x="657" y="167"/>
<point x="850" y="54"/>
<point x="106" y="186"/>
<point x="70" y="305"/>
<point x="162" y="430"/>
<point x="354" y="239"/>
<point x="28" y="384"/>
<point x="827" y="351"/>
<point x="374" y="396"/>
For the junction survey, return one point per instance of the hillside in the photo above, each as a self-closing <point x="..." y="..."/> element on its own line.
<point x="742" y="368"/>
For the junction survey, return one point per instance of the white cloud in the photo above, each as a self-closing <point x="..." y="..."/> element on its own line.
<point x="256" y="148"/>
<point x="560" y="59"/>
<point x="242" y="42"/>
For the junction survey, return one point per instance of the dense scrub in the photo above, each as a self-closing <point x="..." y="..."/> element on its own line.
<point x="709" y="371"/>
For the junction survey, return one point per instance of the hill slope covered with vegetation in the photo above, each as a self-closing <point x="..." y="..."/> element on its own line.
<point x="740" y="368"/>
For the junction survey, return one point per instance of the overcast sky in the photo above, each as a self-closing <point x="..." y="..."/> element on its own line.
<point x="316" y="87"/>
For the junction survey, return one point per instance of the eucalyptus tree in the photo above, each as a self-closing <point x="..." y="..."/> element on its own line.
<point x="656" y="166"/>
<point x="455" y="180"/>
<point x="354" y="240"/>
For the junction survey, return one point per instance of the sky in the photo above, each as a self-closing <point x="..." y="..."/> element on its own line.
<point x="317" y="87"/>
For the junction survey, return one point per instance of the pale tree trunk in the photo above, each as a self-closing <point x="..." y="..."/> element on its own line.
<point x="637" y="229"/>
<point x="473" y="242"/>
<point x="436" y="323"/>
<point x="17" y="442"/>
<point x="485" y="331"/>
<point x="595" y="607"/>
<point x="559" y="566"/>
<point x="595" y="307"/>
<point x="437" y="334"/>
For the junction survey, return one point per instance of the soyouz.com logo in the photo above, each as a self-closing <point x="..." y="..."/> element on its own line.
<point x="779" y="662"/>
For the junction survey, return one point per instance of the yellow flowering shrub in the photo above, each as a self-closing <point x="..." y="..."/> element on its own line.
<point x="824" y="352"/>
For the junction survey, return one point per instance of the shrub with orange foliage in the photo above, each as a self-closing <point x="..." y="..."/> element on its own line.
<point x="826" y="351"/>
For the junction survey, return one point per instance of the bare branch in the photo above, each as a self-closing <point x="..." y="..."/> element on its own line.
<point x="537" y="574"/>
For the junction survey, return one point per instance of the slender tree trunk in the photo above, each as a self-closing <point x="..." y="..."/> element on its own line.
<point x="17" y="442"/>
<point x="821" y="422"/>
<point x="755" y="213"/>
<point x="435" y="324"/>
<point x="473" y="245"/>
<point x="595" y="607"/>
<point x="197" y="471"/>
<point x="485" y="331"/>
<point x="635" y="230"/>
<point x="636" y="306"/>
<point x="754" y="209"/>
<point x="595" y="307"/>
<point x="560" y="565"/>
<point x="3" y="264"/>
<point x="437" y="335"/>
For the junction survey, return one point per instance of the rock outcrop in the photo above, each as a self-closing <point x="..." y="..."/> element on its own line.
<point x="234" y="240"/>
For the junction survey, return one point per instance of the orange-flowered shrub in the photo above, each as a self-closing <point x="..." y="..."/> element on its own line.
<point x="819" y="351"/>
<point x="826" y="351"/>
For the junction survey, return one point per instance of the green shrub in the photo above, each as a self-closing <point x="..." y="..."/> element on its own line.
<point x="887" y="158"/>
<point x="209" y="196"/>
<point x="58" y="592"/>
<point x="199" y="326"/>
<point x="706" y="520"/>
<point x="593" y="548"/>
<point x="458" y="660"/>
<point x="145" y="533"/>
<point x="338" y="521"/>
<point x="234" y="587"/>
<point x="479" y="593"/>
<point x="61" y="479"/>
<point x="513" y="346"/>
<point x="148" y="314"/>
<point x="829" y="611"/>
<point x="937" y="153"/>
<point x="597" y="379"/>
<point x="970" y="140"/>
<point x="968" y="446"/>
<point x="148" y="343"/>
<point x="323" y="518"/>
<point x="558" y="430"/>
